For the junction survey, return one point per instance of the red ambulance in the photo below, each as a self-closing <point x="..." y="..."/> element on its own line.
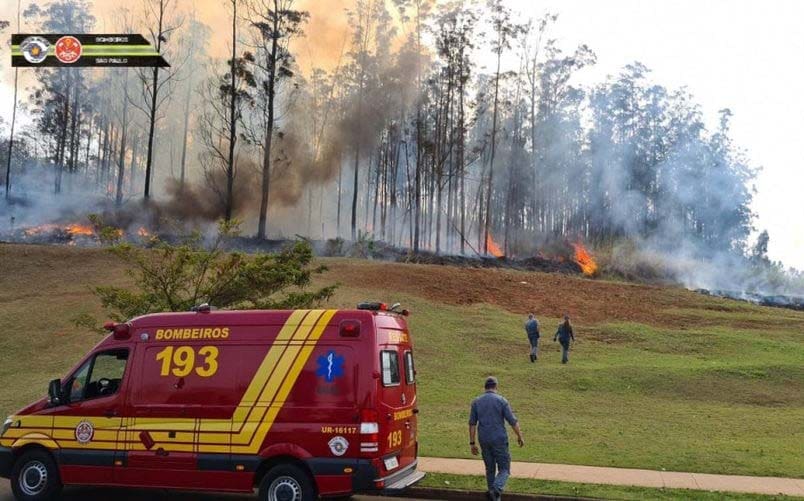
<point x="297" y="404"/>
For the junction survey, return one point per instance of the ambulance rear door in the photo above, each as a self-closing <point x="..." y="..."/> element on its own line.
<point x="397" y="403"/>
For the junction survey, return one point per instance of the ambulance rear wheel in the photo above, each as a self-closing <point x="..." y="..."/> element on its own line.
<point x="287" y="482"/>
<point x="35" y="477"/>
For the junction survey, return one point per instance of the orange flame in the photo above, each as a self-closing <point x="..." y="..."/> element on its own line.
<point x="492" y="247"/>
<point x="74" y="229"/>
<point x="42" y="228"/>
<point x="143" y="232"/>
<point x="585" y="259"/>
<point x="79" y="229"/>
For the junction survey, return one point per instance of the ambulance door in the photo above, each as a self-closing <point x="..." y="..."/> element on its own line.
<point x="88" y="425"/>
<point x="395" y="407"/>
<point x="162" y="426"/>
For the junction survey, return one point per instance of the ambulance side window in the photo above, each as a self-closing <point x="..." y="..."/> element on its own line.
<point x="79" y="382"/>
<point x="410" y="371"/>
<point x="100" y="376"/>
<point x="390" y="367"/>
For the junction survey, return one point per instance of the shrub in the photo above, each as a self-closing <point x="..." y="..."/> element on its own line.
<point x="177" y="277"/>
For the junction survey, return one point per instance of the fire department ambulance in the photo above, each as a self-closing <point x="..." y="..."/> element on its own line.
<point x="298" y="404"/>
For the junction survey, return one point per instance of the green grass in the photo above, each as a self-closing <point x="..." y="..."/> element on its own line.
<point x="716" y="404"/>
<point x="549" y="487"/>
<point x="712" y="386"/>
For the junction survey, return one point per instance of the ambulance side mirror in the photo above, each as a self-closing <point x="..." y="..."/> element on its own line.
<point x="55" y="392"/>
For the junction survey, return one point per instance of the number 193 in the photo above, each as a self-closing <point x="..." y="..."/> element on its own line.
<point x="180" y="361"/>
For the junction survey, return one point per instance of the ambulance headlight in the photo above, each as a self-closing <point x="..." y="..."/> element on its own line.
<point x="6" y="426"/>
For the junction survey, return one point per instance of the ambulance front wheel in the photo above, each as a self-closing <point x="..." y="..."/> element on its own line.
<point x="287" y="482"/>
<point x="35" y="477"/>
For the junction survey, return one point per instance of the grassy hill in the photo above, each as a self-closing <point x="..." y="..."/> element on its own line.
<point x="660" y="378"/>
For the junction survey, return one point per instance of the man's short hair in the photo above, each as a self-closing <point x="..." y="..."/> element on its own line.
<point x="491" y="382"/>
<point x="530" y="315"/>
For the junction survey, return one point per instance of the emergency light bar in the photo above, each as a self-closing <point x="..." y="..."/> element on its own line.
<point x="121" y="331"/>
<point x="372" y="306"/>
<point x="367" y="305"/>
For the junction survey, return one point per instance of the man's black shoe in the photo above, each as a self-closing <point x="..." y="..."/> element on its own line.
<point x="490" y="496"/>
<point x="531" y="359"/>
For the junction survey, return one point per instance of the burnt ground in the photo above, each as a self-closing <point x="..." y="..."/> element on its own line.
<point x="587" y="300"/>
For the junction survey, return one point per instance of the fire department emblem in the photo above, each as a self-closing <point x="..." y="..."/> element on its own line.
<point x="34" y="49"/>
<point x="68" y="49"/>
<point x="338" y="445"/>
<point x="84" y="432"/>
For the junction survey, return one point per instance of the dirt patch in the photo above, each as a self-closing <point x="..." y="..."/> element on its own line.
<point x="588" y="301"/>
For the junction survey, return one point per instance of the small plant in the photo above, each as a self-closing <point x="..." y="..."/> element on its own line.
<point x="107" y="235"/>
<point x="364" y="247"/>
<point x="334" y="247"/>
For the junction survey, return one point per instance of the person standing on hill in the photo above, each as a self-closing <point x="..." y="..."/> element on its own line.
<point x="532" y="330"/>
<point x="487" y="418"/>
<point x="564" y="335"/>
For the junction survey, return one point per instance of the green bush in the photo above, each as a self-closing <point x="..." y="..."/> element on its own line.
<point x="177" y="277"/>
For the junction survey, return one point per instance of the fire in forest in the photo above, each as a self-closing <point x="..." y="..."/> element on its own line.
<point x="80" y="229"/>
<point x="492" y="247"/>
<point x="74" y="229"/>
<point x="584" y="259"/>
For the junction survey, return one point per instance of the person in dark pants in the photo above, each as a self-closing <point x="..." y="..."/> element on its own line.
<point x="532" y="330"/>
<point x="487" y="417"/>
<point x="564" y="335"/>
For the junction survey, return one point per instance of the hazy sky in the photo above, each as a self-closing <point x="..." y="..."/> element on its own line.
<point x="744" y="55"/>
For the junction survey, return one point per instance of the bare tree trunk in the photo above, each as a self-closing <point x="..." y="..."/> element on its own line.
<point x="62" y="142"/>
<point x="13" y="123"/>
<point x="187" y="100"/>
<point x="487" y="227"/>
<point x="73" y="126"/>
<point x="230" y="172"/>
<point x="89" y="143"/>
<point x="354" y="189"/>
<point x="461" y="160"/>
<point x="13" y="115"/>
<point x="152" y="117"/>
<point x="121" y="161"/>
<point x="340" y="189"/>
<point x="269" y="127"/>
<point x="419" y="160"/>
<point x="133" y="168"/>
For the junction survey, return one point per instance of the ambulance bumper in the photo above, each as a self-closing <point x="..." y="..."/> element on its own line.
<point x="393" y="483"/>
<point x="403" y="479"/>
<point x="6" y="462"/>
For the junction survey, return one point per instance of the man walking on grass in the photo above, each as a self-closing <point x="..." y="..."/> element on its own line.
<point x="564" y="334"/>
<point x="532" y="330"/>
<point x="487" y="419"/>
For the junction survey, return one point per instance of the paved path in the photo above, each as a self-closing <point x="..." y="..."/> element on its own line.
<point x="624" y="476"/>
<point x="105" y="494"/>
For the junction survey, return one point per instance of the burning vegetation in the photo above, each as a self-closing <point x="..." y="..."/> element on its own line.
<point x="493" y="248"/>
<point x="584" y="259"/>
<point x="410" y="126"/>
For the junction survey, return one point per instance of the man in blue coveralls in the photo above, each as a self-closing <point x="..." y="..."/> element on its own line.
<point x="532" y="330"/>
<point x="487" y="417"/>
